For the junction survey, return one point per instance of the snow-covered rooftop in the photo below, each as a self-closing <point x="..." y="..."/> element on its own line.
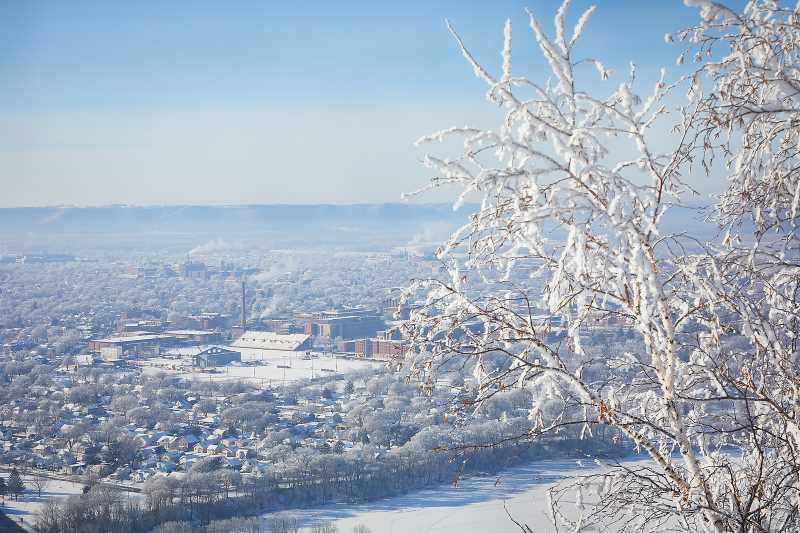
<point x="189" y="332"/>
<point x="268" y="340"/>
<point x="133" y="338"/>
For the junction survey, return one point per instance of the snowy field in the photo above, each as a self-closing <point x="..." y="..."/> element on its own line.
<point x="271" y="367"/>
<point x="23" y="511"/>
<point x="476" y="505"/>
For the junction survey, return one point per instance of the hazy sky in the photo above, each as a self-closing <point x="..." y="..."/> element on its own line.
<point x="178" y="102"/>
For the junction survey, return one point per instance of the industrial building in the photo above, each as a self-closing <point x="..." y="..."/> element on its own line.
<point x="265" y="345"/>
<point x="393" y="306"/>
<point x="194" y="270"/>
<point x="346" y="324"/>
<point x="145" y="343"/>
<point x="144" y="325"/>
<point x="111" y="354"/>
<point x="195" y="336"/>
<point x="281" y="325"/>
<point x="140" y="344"/>
<point x="215" y="356"/>
<point x="383" y="349"/>
<point x="208" y="321"/>
<point x="268" y="340"/>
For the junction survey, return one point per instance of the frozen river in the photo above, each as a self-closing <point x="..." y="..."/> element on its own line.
<point x="476" y="505"/>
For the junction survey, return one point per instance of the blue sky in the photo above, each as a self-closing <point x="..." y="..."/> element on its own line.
<point x="258" y="102"/>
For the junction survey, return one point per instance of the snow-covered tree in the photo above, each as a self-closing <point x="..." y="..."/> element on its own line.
<point x="570" y="236"/>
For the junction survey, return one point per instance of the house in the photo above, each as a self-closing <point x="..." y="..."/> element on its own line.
<point x="212" y="449"/>
<point x="85" y="359"/>
<point x="245" y="453"/>
<point x="166" y="466"/>
<point x="122" y="473"/>
<point x="142" y="475"/>
<point x="173" y="443"/>
<point x="248" y="466"/>
<point x="42" y="449"/>
<point x="74" y="468"/>
<point x="146" y="438"/>
<point x="209" y="421"/>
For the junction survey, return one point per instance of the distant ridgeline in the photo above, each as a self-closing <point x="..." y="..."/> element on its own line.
<point x="392" y="223"/>
<point x="247" y="218"/>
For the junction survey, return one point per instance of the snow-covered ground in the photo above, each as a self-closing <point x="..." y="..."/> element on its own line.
<point x="475" y="505"/>
<point x="23" y="511"/>
<point x="271" y="368"/>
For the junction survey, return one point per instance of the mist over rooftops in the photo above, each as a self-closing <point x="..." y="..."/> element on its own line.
<point x="419" y="228"/>
<point x="251" y="218"/>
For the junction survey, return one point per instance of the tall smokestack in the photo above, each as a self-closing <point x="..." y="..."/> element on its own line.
<point x="244" y="312"/>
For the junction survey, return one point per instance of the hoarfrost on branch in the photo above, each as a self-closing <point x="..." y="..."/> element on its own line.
<point x="574" y="190"/>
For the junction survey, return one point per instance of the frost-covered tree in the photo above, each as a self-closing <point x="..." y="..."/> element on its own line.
<point x="283" y="523"/>
<point x="39" y="481"/>
<point x="325" y="527"/>
<point x="570" y="236"/>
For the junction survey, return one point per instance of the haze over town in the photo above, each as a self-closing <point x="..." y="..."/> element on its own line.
<point x="380" y="267"/>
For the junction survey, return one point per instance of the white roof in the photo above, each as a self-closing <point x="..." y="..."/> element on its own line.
<point x="267" y="340"/>
<point x="133" y="338"/>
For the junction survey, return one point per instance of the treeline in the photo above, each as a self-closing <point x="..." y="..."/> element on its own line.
<point x="304" y="479"/>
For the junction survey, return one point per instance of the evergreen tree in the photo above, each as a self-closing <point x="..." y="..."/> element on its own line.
<point x="111" y="454"/>
<point x="92" y="455"/>
<point x="15" y="485"/>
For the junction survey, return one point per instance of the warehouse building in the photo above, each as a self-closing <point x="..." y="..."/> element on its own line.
<point x="215" y="356"/>
<point x="265" y="345"/>
<point x="140" y="344"/>
<point x="195" y="336"/>
<point x="268" y="340"/>
<point x="383" y="349"/>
